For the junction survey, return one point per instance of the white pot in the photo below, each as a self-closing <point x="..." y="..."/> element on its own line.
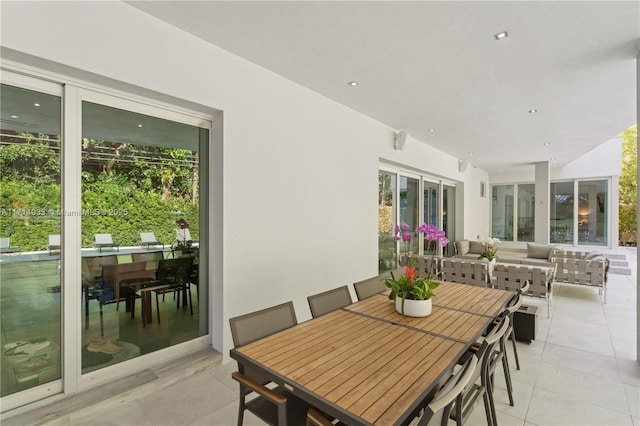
<point x="414" y="308"/>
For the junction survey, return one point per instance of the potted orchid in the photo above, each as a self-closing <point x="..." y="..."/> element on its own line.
<point x="489" y="252"/>
<point x="412" y="293"/>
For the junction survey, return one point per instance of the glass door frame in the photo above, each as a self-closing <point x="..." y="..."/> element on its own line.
<point x="73" y="93"/>
<point x="56" y="386"/>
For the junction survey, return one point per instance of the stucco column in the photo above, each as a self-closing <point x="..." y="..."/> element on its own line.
<point x="543" y="187"/>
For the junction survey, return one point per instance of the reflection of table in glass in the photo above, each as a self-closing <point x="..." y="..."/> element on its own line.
<point x="144" y="287"/>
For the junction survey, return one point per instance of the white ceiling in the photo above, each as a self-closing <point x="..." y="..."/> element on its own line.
<point x="436" y="65"/>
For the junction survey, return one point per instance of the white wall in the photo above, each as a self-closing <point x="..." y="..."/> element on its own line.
<point x="299" y="174"/>
<point x="603" y="161"/>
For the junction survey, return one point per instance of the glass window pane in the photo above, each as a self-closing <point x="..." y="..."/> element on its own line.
<point x="593" y="213"/>
<point x="30" y="309"/>
<point x="386" y="221"/>
<point x="561" y="215"/>
<point x="409" y="202"/>
<point x="502" y="212"/>
<point x="526" y="212"/>
<point x="449" y="217"/>
<point x="141" y="197"/>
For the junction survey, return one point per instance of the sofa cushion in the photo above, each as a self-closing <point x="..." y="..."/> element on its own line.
<point x="476" y="247"/>
<point x="462" y="247"/>
<point x="539" y="251"/>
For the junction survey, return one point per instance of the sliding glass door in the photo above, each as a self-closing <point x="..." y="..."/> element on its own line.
<point x="30" y="243"/>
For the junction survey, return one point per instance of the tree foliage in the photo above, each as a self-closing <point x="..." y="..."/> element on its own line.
<point x="126" y="189"/>
<point x="628" y="184"/>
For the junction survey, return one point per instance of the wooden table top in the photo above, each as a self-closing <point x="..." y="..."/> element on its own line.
<point x="365" y="363"/>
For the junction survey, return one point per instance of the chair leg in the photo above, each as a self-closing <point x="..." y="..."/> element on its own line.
<point x="190" y="299"/>
<point x="515" y="349"/>
<point x="505" y="368"/>
<point x="158" y="308"/>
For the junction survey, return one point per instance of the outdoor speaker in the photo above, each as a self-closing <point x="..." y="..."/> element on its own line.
<point x="400" y="140"/>
<point x="462" y="165"/>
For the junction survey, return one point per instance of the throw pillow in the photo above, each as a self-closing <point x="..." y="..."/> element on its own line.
<point x="475" y="247"/>
<point x="538" y="251"/>
<point x="462" y="247"/>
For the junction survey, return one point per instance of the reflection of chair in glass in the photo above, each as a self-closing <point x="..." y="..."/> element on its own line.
<point x="325" y="302"/>
<point x="105" y="241"/>
<point x="54" y="243"/>
<point x="149" y="239"/>
<point x="175" y="273"/>
<point x="274" y="405"/>
<point x="148" y="256"/>
<point x="183" y="236"/>
<point x="6" y="247"/>
<point x="369" y="287"/>
<point x="94" y="285"/>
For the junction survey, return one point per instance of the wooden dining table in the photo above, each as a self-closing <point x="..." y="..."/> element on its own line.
<point x="366" y="364"/>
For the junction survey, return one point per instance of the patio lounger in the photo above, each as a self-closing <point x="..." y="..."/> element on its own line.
<point x="6" y="247"/>
<point x="54" y="243"/>
<point x="149" y="239"/>
<point x="105" y="240"/>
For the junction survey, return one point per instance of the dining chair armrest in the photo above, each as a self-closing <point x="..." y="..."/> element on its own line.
<point x="270" y="394"/>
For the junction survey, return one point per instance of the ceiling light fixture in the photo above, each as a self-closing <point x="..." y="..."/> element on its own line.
<point x="15" y="116"/>
<point x="36" y="104"/>
<point x="471" y="153"/>
<point x="432" y="130"/>
<point x="352" y="83"/>
<point x="501" y="35"/>
<point x="547" y="143"/>
<point x="139" y="125"/>
<point x="533" y="111"/>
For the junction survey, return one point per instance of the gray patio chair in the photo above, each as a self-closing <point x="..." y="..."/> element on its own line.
<point x="488" y="358"/>
<point x="369" y="287"/>
<point x="274" y="405"/>
<point x="450" y="395"/>
<point x="327" y="301"/>
<point x="149" y="239"/>
<point x="147" y="256"/>
<point x="6" y="247"/>
<point x="54" y="243"/>
<point x="105" y="241"/>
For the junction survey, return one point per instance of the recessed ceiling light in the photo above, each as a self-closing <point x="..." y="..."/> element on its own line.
<point x="432" y="130"/>
<point x="36" y="104"/>
<point x="547" y="143"/>
<point x="352" y="83"/>
<point x="501" y="35"/>
<point x="471" y="153"/>
<point x="15" y="116"/>
<point x="532" y="111"/>
<point x="552" y="158"/>
<point x="139" y="125"/>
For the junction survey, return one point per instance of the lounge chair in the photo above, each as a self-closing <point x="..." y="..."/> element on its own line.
<point x="149" y="239"/>
<point x="6" y="247"/>
<point x="54" y="243"/>
<point x="183" y="235"/>
<point x="105" y="240"/>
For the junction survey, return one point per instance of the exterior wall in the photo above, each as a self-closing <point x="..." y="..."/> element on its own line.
<point x="295" y="192"/>
<point x="605" y="161"/>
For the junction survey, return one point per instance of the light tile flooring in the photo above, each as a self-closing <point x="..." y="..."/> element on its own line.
<point x="580" y="370"/>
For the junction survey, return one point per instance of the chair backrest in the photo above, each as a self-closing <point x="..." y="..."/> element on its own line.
<point x="256" y="325"/>
<point x="174" y="271"/>
<point x="146" y="256"/>
<point x="5" y="243"/>
<point x="92" y="266"/>
<point x="104" y="239"/>
<point x="454" y="387"/>
<point x="148" y="237"/>
<point x="183" y="235"/>
<point x="369" y="287"/>
<point x="327" y="301"/>
<point x="54" y="240"/>
<point x="465" y="272"/>
<point x="513" y="278"/>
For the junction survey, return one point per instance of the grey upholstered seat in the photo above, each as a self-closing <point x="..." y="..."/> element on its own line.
<point x="325" y="302"/>
<point x="369" y="287"/>
<point x="274" y="405"/>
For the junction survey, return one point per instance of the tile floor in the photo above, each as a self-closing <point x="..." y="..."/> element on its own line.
<point x="580" y="370"/>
